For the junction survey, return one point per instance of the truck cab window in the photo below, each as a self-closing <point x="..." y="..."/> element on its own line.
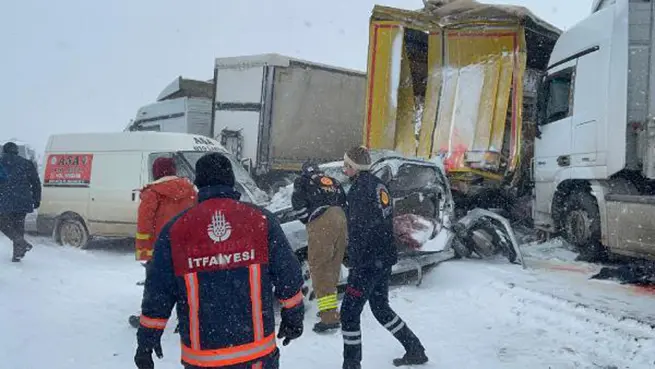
<point x="558" y="89"/>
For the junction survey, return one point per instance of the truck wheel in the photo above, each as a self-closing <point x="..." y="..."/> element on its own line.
<point x="581" y="223"/>
<point x="71" y="231"/>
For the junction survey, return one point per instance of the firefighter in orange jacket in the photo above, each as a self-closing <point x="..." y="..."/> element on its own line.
<point x="161" y="200"/>
<point x="221" y="264"/>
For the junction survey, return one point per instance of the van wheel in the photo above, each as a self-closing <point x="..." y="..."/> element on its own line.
<point x="71" y="231"/>
<point x="581" y="223"/>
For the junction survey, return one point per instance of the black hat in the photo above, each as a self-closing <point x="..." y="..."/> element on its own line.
<point x="310" y="167"/>
<point x="10" y="148"/>
<point x="214" y="169"/>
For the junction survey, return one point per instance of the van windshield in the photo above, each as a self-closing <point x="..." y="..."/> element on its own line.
<point x="242" y="176"/>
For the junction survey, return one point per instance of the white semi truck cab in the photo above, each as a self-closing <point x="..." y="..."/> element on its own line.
<point x="594" y="161"/>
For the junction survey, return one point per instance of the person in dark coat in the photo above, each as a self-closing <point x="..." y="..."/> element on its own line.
<point x="3" y="174"/>
<point x="371" y="254"/>
<point x="20" y="194"/>
<point x="222" y="264"/>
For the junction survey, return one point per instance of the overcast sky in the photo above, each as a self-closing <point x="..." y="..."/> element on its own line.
<point x="87" y="66"/>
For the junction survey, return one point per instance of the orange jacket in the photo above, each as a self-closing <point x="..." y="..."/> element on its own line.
<point x="161" y="200"/>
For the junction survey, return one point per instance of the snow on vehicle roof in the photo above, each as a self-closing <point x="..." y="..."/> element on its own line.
<point x="273" y="59"/>
<point x="281" y="199"/>
<point x="457" y="11"/>
<point x="117" y="141"/>
<point x="394" y="159"/>
<point x="332" y="164"/>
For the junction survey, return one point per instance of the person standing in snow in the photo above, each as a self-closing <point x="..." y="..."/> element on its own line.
<point x="319" y="202"/>
<point x="218" y="263"/>
<point x="161" y="200"/>
<point x="3" y="174"/>
<point x="20" y="194"/>
<point x="371" y="254"/>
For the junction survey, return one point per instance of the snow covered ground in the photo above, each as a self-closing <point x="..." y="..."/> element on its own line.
<point x="64" y="309"/>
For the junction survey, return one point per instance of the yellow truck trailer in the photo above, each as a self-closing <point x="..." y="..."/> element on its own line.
<point x="459" y="81"/>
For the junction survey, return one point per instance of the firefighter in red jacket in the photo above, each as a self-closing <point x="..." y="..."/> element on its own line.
<point x="218" y="263"/>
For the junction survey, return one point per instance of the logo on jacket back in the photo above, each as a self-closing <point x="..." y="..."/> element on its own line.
<point x="219" y="229"/>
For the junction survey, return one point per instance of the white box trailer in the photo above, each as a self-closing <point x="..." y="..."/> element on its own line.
<point x="274" y="112"/>
<point x="183" y="106"/>
<point x="594" y="165"/>
<point x="184" y="115"/>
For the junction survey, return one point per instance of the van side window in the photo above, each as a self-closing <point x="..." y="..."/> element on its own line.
<point x="558" y="99"/>
<point x="180" y="165"/>
<point x="183" y="169"/>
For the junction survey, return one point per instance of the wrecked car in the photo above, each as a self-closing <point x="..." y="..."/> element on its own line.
<point x="424" y="223"/>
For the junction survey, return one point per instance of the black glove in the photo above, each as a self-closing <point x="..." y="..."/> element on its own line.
<point x="143" y="357"/>
<point x="289" y="332"/>
<point x="37" y="205"/>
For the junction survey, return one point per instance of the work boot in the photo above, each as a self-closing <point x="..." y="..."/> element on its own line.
<point x="330" y="320"/>
<point x="21" y="247"/>
<point x="351" y="365"/>
<point x="321" y="327"/>
<point x="413" y="358"/>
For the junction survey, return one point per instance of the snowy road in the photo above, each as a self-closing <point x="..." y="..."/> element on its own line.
<point x="67" y="309"/>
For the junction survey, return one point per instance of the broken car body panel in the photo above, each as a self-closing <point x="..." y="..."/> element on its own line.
<point x="399" y="172"/>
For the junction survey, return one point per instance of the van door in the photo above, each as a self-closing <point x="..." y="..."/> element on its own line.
<point x="553" y="148"/>
<point x="116" y="180"/>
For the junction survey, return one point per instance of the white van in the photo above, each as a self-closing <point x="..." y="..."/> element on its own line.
<point x="91" y="181"/>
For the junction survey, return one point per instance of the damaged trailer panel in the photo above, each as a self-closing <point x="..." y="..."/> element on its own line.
<point x="459" y="82"/>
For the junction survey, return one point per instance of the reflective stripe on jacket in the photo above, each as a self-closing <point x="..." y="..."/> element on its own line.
<point x="218" y="263"/>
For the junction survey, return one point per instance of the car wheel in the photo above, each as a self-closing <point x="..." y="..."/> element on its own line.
<point x="71" y="231"/>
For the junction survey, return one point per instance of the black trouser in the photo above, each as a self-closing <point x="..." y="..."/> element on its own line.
<point x="270" y="361"/>
<point x="372" y="286"/>
<point x="13" y="226"/>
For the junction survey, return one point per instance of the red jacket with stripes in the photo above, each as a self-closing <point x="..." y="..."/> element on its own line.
<point x="160" y="202"/>
<point x="223" y="263"/>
